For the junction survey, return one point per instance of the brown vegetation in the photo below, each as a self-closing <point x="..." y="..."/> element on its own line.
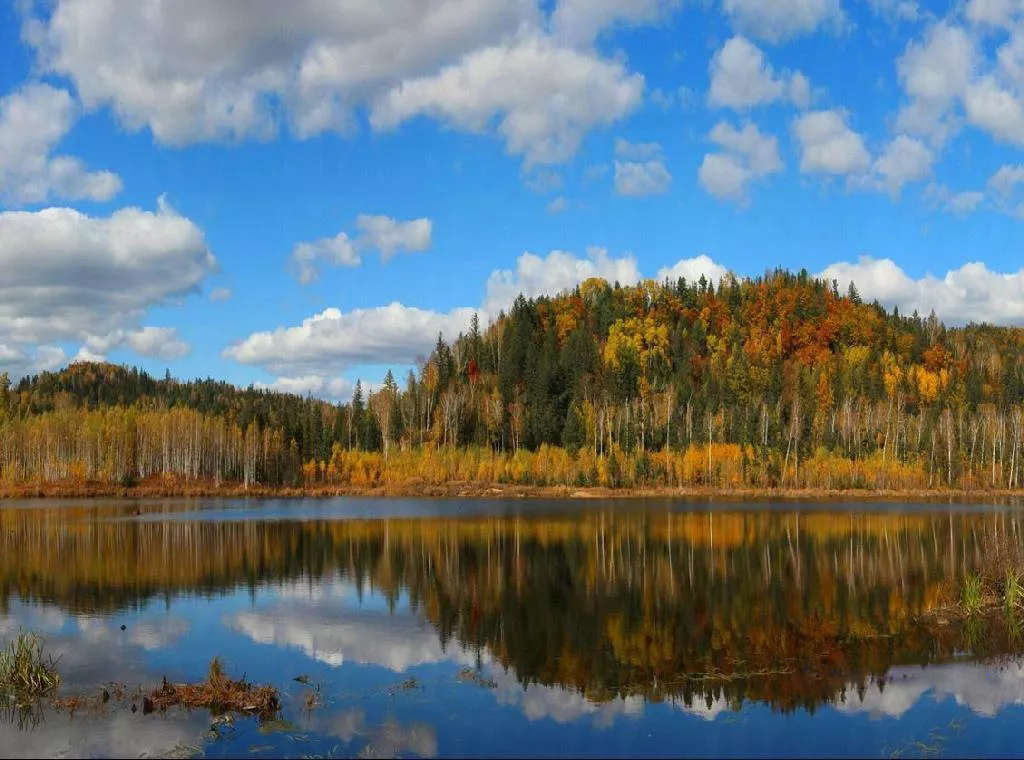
<point x="218" y="694"/>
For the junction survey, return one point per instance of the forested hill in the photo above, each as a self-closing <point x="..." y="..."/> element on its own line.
<point x="782" y="380"/>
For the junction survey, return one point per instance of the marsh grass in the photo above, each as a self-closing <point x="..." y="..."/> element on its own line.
<point x="218" y="693"/>
<point x="25" y="671"/>
<point x="1013" y="589"/>
<point x="973" y="594"/>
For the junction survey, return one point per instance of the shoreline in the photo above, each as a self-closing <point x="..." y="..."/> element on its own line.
<point x="478" y="490"/>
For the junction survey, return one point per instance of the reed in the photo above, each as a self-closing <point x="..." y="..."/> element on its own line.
<point x="24" y="669"/>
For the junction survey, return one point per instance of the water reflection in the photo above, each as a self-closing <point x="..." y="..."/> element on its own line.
<point x="597" y="618"/>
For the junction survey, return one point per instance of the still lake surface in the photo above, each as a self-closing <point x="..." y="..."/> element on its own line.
<point x="486" y="628"/>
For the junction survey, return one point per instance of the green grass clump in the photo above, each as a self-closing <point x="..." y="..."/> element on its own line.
<point x="24" y="671"/>
<point x="1013" y="592"/>
<point x="973" y="594"/>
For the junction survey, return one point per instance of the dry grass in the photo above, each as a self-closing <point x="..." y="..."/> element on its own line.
<point x="218" y="694"/>
<point x="176" y="488"/>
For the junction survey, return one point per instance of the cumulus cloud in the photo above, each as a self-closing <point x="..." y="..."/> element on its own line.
<point x="747" y="155"/>
<point x="903" y="161"/>
<point x="639" y="178"/>
<point x="33" y="121"/>
<point x="18" y="362"/>
<point x="581" y="21"/>
<point x="997" y="13"/>
<point x="742" y="77"/>
<point x="828" y="145"/>
<point x="73" y="277"/>
<point x="693" y="269"/>
<point x="382" y="233"/>
<point x="389" y="236"/>
<point x="543" y="97"/>
<point x="934" y="73"/>
<point x="972" y="293"/>
<point x="334" y="340"/>
<point x="156" y="342"/>
<point x="778" y="20"/>
<point x="194" y="71"/>
<point x="339" y="250"/>
<point x="220" y="294"/>
<point x="536" y="276"/>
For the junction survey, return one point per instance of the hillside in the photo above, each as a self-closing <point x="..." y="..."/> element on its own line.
<point x="777" y="382"/>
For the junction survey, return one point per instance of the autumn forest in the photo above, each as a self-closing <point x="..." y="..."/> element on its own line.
<point x="777" y="382"/>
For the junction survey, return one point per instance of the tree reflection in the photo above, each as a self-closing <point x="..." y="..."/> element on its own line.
<point x="783" y="608"/>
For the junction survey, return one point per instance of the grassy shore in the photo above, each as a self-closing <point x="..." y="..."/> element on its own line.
<point x="158" y="489"/>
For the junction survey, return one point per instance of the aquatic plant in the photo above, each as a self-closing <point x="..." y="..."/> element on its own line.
<point x="1013" y="588"/>
<point x="24" y="670"/>
<point x="219" y="694"/>
<point x="973" y="597"/>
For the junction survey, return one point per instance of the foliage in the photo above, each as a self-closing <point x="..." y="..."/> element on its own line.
<point x="772" y="382"/>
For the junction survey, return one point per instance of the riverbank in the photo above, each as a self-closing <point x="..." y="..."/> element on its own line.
<point x="161" y="489"/>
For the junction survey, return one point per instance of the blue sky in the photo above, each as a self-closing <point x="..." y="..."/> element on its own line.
<point x="300" y="195"/>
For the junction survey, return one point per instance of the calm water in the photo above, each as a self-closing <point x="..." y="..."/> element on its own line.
<point x="444" y="628"/>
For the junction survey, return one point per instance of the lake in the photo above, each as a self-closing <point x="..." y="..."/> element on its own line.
<point x="453" y="628"/>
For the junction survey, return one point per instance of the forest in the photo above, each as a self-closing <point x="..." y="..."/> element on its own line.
<point x="777" y="382"/>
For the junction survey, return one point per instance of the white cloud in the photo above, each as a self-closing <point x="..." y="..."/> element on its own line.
<point x="339" y="250"/>
<point x="692" y="269"/>
<point x="933" y="74"/>
<point x="543" y="98"/>
<point x="828" y="145"/>
<point x="220" y="294"/>
<point x="971" y="293"/>
<point x="333" y="340"/>
<point x="999" y="13"/>
<point x="996" y="109"/>
<point x="69" y="276"/>
<point x="388" y="236"/>
<point x="33" y="121"/>
<point x="156" y="342"/>
<point x="903" y="161"/>
<point x="581" y="21"/>
<point x="1006" y="179"/>
<point x="742" y="77"/>
<point x="749" y="155"/>
<point x="535" y="276"/>
<point x="195" y="71"/>
<point x="18" y="362"/>
<point x="960" y="204"/>
<point x="640" y="178"/>
<point x="896" y="10"/>
<point x="558" y="205"/>
<point x="778" y="20"/>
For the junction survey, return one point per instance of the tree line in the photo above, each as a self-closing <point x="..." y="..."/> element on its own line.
<point x="777" y="381"/>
